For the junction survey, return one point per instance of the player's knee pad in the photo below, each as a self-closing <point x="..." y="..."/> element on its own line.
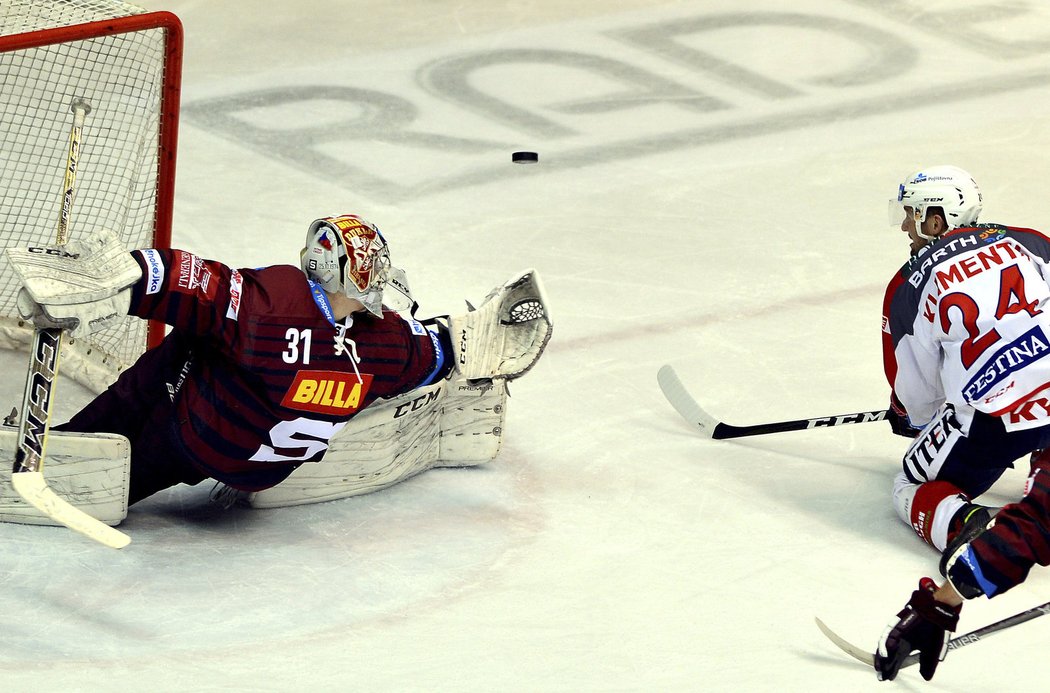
<point x="928" y="507"/>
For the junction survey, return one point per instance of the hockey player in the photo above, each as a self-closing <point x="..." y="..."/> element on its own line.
<point x="263" y="366"/>
<point x="966" y="327"/>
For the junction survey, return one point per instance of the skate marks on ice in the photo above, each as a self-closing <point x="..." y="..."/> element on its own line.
<point x="199" y="579"/>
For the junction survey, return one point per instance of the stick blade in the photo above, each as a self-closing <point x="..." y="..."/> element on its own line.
<point x="852" y="650"/>
<point x="683" y="402"/>
<point x="34" y="489"/>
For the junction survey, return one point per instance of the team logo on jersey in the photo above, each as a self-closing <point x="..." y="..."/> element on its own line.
<point x="327" y="392"/>
<point x="191" y="276"/>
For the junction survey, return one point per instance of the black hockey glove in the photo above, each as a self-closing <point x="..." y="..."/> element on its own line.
<point x="899" y="421"/>
<point x="923" y="625"/>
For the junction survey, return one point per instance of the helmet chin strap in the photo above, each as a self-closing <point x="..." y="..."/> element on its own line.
<point x="918" y="217"/>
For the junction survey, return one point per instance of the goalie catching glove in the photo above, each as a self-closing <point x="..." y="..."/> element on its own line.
<point x="83" y="286"/>
<point x="505" y="336"/>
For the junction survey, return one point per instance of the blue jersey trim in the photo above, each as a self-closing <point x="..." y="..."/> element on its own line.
<point x="321" y="299"/>
<point x="439" y="357"/>
<point x="970" y="559"/>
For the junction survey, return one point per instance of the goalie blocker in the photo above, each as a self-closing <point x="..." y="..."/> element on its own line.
<point x="82" y="287"/>
<point x="457" y="422"/>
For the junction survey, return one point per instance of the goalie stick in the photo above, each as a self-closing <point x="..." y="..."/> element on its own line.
<point x="955" y="643"/>
<point x="710" y="427"/>
<point x="27" y="474"/>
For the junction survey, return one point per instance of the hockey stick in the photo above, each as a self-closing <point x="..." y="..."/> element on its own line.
<point x="954" y="644"/>
<point x="710" y="427"/>
<point x="27" y="475"/>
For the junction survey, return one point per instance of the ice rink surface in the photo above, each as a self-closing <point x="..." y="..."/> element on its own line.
<point x="711" y="193"/>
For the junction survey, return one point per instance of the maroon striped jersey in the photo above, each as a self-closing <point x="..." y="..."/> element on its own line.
<point x="1001" y="556"/>
<point x="265" y="386"/>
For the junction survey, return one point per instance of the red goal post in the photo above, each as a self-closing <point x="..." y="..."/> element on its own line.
<point x="126" y="63"/>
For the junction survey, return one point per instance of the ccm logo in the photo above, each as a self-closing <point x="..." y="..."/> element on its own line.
<point x="863" y="417"/>
<point x="56" y="252"/>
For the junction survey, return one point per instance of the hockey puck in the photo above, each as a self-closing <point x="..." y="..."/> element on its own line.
<point x="524" y="157"/>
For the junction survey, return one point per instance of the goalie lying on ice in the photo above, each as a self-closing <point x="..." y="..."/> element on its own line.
<point x="266" y="369"/>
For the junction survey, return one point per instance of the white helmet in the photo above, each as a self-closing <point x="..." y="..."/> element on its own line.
<point x="948" y="187"/>
<point x="346" y="254"/>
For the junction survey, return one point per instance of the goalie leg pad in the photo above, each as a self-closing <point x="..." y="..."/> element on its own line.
<point x="91" y="471"/>
<point x="507" y="334"/>
<point x="472" y="420"/>
<point x="448" y="424"/>
<point x="386" y="443"/>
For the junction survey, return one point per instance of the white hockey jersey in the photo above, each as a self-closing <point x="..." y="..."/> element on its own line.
<point x="967" y="321"/>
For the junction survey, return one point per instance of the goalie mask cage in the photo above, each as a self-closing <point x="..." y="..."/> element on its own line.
<point x="126" y="64"/>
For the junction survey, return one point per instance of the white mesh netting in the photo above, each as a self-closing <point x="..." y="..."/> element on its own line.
<point x="121" y="76"/>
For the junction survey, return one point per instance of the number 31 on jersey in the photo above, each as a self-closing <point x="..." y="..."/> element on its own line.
<point x="298" y="350"/>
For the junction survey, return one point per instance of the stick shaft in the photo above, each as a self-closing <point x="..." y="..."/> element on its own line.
<point x="38" y="397"/>
<point x="69" y="183"/>
<point x="37" y="400"/>
<point x="866" y="657"/>
<point x="1008" y="622"/>
<point x="710" y="427"/>
<point x="724" y="430"/>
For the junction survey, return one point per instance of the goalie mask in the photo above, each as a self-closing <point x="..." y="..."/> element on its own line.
<point x="348" y="255"/>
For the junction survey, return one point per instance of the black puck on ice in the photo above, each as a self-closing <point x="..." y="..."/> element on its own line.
<point x="524" y="157"/>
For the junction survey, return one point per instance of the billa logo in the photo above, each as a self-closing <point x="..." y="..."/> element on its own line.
<point x="327" y="392"/>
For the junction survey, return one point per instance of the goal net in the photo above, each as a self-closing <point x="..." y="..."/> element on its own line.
<point x="126" y="64"/>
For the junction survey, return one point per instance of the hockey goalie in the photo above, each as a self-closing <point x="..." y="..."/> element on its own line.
<point x="267" y="370"/>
